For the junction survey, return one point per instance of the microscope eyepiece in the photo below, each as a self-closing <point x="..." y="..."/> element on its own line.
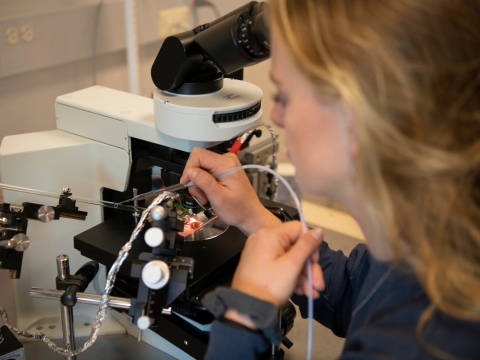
<point x="194" y="62"/>
<point x="238" y="41"/>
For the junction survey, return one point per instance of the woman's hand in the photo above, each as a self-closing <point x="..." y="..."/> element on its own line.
<point x="273" y="261"/>
<point x="232" y="196"/>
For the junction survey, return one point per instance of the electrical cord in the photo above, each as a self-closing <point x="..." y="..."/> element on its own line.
<point x="274" y="163"/>
<point x="198" y="3"/>
<point x="237" y="145"/>
<point x="304" y="229"/>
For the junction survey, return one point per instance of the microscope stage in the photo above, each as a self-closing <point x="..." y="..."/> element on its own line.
<point x="212" y="257"/>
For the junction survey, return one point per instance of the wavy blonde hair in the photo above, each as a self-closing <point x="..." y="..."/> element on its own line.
<point x="410" y="69"/>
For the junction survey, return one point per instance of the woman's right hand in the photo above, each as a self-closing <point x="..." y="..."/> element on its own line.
<point x="231" y="196"/>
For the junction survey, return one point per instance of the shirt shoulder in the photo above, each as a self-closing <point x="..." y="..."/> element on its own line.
<point x="386" y="316"/>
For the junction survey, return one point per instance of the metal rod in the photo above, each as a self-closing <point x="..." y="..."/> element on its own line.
<point x="5" y="244"/>
<point x="136" y="214"/>
<point x="153" y="193"/>
<point x="63" y="267"/>
<point x="63" y="273"/>
<point x="89" y="299"/>
<point x="199" y="203"/>
<point x="177" y="187"/>
<point x="77" y="198"/>
<point x="83" y="298"/>
<point x="275" y="349"/>
<point x="68" y="329"/>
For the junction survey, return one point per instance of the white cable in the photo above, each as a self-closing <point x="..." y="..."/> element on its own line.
<point x="304" y="228"/>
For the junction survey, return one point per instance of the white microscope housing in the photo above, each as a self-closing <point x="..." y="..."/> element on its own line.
<point x="97" y="129"/>
<point x="91" y="150"/>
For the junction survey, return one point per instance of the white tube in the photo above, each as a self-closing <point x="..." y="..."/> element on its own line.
<point x="131" y="38"/>
<point x="305" y="229"/>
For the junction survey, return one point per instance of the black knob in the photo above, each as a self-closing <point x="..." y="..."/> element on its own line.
<point x="69" y="297"/>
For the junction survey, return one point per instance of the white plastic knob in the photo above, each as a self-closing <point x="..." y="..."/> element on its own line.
<point x="144" y="322"/>
<point x="154" y="237"/>
<point x="158" y="213"/>
<point x="156" y="274"/>
<point x="152" y="275"/>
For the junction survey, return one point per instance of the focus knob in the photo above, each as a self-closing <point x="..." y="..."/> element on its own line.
<point x="144" y="322"/>
<point x="45" y="214"/>
<point x="158" y="213"/>
<point x="156" y="274"/>
<point x="154" y="237"/>
<point x="19" y="242"/>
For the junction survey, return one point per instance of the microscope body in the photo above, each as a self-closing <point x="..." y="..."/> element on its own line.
<point x="106" y="146"/>
<point x="106" y="142"/>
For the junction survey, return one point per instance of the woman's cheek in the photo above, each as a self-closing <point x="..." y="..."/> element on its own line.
<point x="277" y="115"/>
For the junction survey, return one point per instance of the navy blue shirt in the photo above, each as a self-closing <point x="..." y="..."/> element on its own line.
<point x="376" y="306"/>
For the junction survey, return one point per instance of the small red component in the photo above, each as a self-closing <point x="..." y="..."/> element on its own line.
<point x="236" y="146"/>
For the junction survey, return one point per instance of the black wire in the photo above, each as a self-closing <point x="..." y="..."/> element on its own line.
<point x="198" y="3"/>
<point x="214" y="8"/>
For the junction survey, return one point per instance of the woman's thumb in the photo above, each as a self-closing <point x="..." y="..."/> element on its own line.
<point x="305" y="246"/>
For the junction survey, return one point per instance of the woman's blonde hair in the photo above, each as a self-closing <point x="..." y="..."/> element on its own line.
<point x="410" y="69"/>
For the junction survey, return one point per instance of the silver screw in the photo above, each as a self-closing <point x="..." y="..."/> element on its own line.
<point x="185" y="342"/>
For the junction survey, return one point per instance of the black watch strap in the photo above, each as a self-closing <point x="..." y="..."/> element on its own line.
<point x="264" y="315"/>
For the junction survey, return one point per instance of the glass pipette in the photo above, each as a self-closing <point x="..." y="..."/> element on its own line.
<point x="173" y="188"/>
<point x="77" y="198"/>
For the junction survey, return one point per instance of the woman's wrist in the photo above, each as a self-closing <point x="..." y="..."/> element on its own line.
<point x="246" y="311"/>
<point x="263" y="218"/>
<point x="235" y="316"/>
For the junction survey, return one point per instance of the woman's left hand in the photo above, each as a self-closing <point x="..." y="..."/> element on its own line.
<point x="273" y="261"/>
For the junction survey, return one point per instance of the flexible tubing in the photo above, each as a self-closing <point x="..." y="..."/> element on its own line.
<point x="219" y="174"/>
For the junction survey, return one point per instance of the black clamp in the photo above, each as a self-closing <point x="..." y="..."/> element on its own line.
<point x="76" y="283"/>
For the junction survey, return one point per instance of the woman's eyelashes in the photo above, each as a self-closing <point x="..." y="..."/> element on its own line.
<point x="278" y="98"/>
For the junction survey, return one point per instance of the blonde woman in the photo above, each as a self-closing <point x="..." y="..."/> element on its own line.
<point x="380" y="102"/>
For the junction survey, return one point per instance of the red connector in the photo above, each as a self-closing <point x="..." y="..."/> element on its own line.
<point x="239" y="142"/>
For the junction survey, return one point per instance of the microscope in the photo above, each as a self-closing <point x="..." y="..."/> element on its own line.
<point x="111" y="145"/>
